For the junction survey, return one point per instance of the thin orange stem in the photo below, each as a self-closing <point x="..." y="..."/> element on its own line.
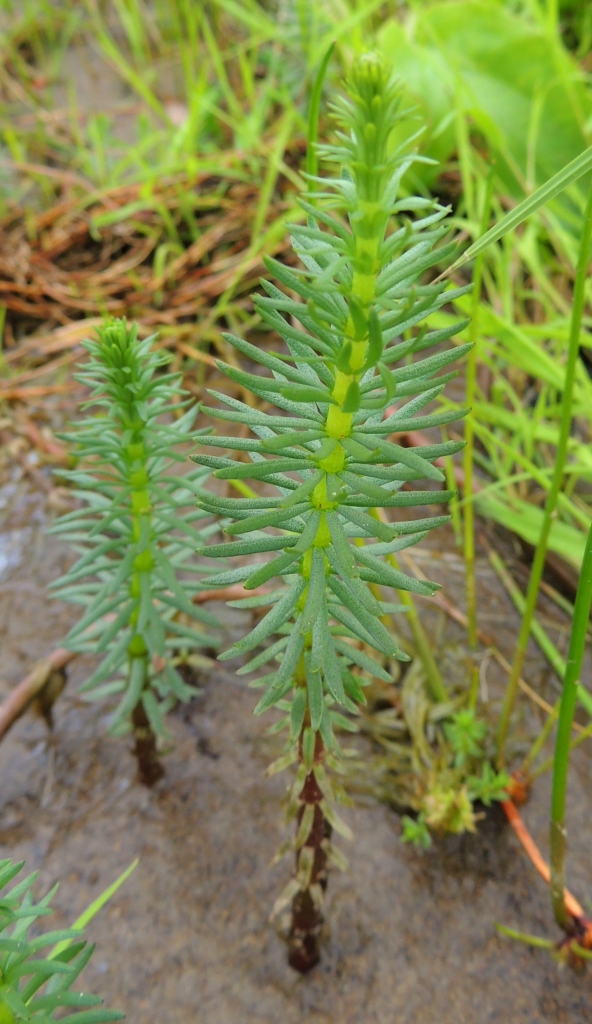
<point x="532" y="850"/>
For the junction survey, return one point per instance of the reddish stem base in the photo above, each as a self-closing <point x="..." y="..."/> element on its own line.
<point x="304" y="939"/>
<point x="150" y="767"/>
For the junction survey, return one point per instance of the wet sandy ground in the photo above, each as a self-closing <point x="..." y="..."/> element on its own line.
<point x="187" y="940"/>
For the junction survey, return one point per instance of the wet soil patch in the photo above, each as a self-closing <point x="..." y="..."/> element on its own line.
<point x="411" y="935"/>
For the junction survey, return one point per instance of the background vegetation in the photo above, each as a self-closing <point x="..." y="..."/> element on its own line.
<point x="151" y="154"/>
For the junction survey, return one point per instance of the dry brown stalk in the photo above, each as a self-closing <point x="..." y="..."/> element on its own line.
<point x="31" y="687"/>
<point x="92" y="253"/>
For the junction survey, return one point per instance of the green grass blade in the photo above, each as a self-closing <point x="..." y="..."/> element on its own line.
<point x="560" y="181"/>
<point x="562" y="743"/>
<point x="312" y="163"/>
<point x="90" y="912"/>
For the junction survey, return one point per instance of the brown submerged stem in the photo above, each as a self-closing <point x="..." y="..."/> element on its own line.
<point x="33" y="686"/>
<point x="304" y="940"/>
<point x="150" y="767"/>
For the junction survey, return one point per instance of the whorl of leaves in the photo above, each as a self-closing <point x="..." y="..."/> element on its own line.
<point x="135" y="531"/>
<point x="32" y="986"/>
<point x="348" y="385"/>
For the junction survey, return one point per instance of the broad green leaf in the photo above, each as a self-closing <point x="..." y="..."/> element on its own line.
<point x="518" y="85"/>
<point x="526" y="520"/>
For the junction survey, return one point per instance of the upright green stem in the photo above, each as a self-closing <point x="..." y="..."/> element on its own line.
<point x="538" y="563"/>
<point x="150" y="768"/>
<point x="554" y="658"/>
<point x="545" y="643"/>
<point x="471" y="381"/>
<point x="539" y="743"/>
<point x="434" y="679"/>
<point x="563" y="739"/>
<point x="582" y="736"/>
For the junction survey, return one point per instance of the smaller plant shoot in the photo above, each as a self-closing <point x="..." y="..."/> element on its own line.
<point x="136" y="536"/>
<point x="33" y="986"/>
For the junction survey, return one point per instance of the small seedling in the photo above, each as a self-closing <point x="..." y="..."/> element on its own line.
<point x="416" y="831"/>
<point x="435" y="759"/>
<point x="136" y="536"/>
<point x="465" y="734"/>
<point x="346" y="386"/>
<point x="34" y="987"/>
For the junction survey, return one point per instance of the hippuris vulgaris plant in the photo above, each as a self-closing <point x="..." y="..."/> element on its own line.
<point x="136" y="536"/>
<point x="346" y="384"/>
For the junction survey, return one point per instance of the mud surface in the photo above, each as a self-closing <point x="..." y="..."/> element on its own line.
<point x="187" y="940"/>
<point x="411" y="936"/>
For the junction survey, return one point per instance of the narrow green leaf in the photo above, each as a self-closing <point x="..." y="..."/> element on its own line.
<point x="313" y="117"/>
<point x="409" y="457"/>
<point x="396" y="578"/>
<point x="351" y="402"/>
<point x="281" y="441"/>
<point x="225" y="579"/>
<point x="368" y="524"/>
<point x="314" y="686"/>
<point x="247" y="547"/>
<point x="271" y="518"/>
<point x="361" y="659"/>
<point x="332" y="673"/>
<point x="270" y="623"/>
<point x="326" y="729"/>
<point x="309" y="532"/>
<point x="264" y="657"/>
<point x="321" y="635"/>
<point x="300" y="393"/>
<point x="272" y="568"/>
<point x="341" y="544"/>
<point x="137" y="678"/>
<point x="353" y="689"/>
<point x="154" y="713"/>
<point x="381" y="639"/>
<point x="284" y="678"/>
<point x="258" y="470"/>
<point x="556" y="184"/>
<point x="316" y="591"/>
<point x="299" y="702"/>
<point x="304" y="490"/>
